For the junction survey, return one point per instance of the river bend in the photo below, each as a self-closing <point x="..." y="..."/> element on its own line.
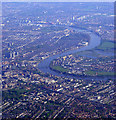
<point x="94" y="41"/>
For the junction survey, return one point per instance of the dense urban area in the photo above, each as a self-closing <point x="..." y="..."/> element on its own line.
<point x="34" y="32"/>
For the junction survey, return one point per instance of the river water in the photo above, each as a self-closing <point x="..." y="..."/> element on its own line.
<point x="95" y="40"/>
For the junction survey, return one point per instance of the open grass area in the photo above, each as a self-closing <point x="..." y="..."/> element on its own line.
<point x="93" y="73"/>
<point x="14" y="93"/>
<point x="59" y="68"/>
<point x="106" y="46"/>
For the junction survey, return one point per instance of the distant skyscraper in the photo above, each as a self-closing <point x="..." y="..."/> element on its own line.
<point x="11" y="55"/>
<point x="73" y="18"/>
<point x="17" y="53"/>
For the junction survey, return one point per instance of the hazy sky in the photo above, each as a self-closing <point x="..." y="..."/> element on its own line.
<point x="57" y="0"/>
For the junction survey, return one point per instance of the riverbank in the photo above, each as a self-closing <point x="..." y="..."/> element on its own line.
<point x="99" y="74"/>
